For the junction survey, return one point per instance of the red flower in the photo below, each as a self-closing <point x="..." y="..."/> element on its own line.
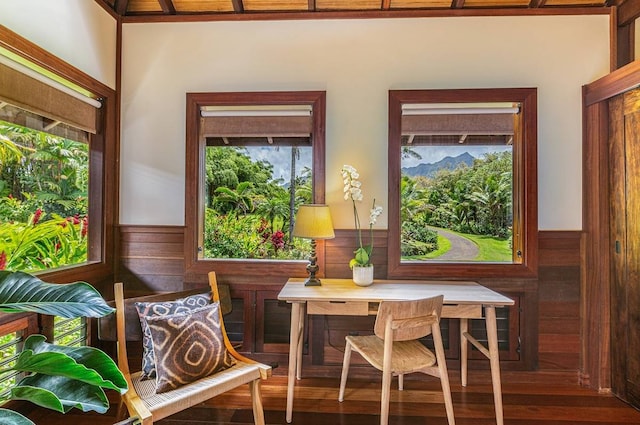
<point x="277" y="239"/>
<point x="85" y="227"/>
<point x="3" y="260"/>
<point x="36" y="216"/>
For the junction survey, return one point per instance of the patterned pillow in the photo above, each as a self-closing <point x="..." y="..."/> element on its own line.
<point x="188" y="346"/>
<point x="149" y="309"/>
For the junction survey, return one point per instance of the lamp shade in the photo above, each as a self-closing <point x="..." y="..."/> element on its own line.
<point x="313" y="221"/>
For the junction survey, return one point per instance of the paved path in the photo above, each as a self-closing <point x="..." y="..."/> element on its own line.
<point x="462" y="249"/>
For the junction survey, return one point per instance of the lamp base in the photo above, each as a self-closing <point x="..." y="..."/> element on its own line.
<point x="312" y="281"/>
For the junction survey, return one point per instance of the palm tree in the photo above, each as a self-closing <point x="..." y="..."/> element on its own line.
<point x="239" y="199"/>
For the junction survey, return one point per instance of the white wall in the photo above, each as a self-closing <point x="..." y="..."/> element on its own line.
<point x="356" y="62"/>
<point x="79" y="32"/>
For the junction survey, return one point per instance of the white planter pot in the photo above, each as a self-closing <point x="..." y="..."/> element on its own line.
<point x="363" y="276"/>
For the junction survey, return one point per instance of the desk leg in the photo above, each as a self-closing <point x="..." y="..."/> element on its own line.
<point x="464" y="350"/>
<point x="300" y="341"/>
<point x="494" y="360"/>
<point x="294" y="343"/>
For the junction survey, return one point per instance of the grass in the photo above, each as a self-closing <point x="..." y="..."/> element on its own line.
<point x="491" y="249"/>
<point x="444" y="245"/>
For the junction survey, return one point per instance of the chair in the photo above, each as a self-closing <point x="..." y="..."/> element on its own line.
<point x="141" y="399"/>
<point x="395" y="349"/>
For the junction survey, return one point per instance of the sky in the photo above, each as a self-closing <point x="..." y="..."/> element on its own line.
<point x="280" y="157"/>
<point x="431" y="154"/>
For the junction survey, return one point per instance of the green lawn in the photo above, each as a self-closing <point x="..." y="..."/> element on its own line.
<point x="491" y="249"/>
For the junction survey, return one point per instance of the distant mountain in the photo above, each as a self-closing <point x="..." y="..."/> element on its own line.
<point x="448" y="162"/>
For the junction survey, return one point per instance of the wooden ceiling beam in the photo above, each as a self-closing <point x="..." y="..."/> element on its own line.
<point x="535" y="4"/>
<point x="628" y="11"/>
<point x="167" y="7"/>
<point x="120" y="6"/>
<point x="238" y="6"/>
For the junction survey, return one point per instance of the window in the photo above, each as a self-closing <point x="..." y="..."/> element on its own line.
<point x="49" y="108"/>
<point x="252" y="159"/>
<point x="462" y="183"/>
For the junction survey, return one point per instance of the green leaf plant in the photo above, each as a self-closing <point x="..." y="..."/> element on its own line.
<point x="57" y="377"/>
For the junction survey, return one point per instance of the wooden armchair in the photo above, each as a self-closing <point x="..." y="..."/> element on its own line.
<point x="143" y="402"/>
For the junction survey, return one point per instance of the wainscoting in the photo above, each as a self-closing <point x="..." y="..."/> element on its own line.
<point x="545" y="333"/>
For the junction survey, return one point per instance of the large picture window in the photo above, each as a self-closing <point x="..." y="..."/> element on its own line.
<point x="55" y="145"/>
<point x="260" y="156"/>
<point x="462" y="182"/>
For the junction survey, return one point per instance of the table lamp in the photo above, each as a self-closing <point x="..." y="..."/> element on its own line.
<point x="313" y="221"/>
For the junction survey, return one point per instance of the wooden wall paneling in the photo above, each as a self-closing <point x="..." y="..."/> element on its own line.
<point x="339" y="252"/>
<point x="549" y="306"/>
<point x="152" y="259"/>
<point x="559" y="300"/>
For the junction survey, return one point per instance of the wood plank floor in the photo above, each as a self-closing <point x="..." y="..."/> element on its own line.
<point x="531" y="398"/>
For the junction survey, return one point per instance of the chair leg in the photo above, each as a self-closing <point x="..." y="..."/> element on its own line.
<point x="345" y="370"/>
<point x="386" y="395"/>
<point x="121" y="412"/>
<point x="442" y="370"/>
<point x="256" y="402"/>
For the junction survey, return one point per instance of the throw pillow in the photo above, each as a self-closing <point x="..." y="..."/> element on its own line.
<point x="148" y="309"/>
<point x="188" y="346"/>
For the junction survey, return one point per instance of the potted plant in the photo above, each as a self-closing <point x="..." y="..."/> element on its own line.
<point x="361" y="262"/>
<point x="57" y="377"/>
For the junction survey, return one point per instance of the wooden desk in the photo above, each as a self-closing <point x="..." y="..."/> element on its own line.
<point x="463" y="300"/>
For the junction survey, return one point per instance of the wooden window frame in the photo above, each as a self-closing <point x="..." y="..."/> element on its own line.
<point x="524" y="182"/>
<point x="195" y="168"/>
<point x="103" y="169"/>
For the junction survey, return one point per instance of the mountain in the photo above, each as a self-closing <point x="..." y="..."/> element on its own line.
<point x="448" y="162"/>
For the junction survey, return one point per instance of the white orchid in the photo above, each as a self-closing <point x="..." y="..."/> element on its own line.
<point x="352" y="190"/>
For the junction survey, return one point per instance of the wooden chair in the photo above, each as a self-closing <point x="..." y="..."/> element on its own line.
<point x="395" y="349"/>
<point x="142" y="401"/>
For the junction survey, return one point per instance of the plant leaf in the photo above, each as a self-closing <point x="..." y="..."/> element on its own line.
<point x="14" y="418"/>
<point x="85" y="364"/>
<point x="22" y="292"/>
<point x="60" y="394"/>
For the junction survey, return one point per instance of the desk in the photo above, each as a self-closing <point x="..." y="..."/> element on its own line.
<point x="463" y="300"/>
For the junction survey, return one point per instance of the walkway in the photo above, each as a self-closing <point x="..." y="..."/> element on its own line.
<point x="462" y="249"/>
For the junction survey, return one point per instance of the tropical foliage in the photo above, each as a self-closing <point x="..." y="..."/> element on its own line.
<point x="57" y="377"/>
<point x="248" y="212"/>
<point x="43" y="200"/>
<point x="474" y="200"/>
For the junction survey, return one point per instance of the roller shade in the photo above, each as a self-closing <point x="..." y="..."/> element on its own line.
<point x="25" y="92"/>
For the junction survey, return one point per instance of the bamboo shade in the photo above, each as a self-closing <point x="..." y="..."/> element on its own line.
<point x="20" y="90"/>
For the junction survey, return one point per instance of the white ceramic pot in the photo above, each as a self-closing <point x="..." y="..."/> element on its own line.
<point x="363" y="275"/>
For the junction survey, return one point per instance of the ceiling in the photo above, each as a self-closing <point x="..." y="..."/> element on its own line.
<point x="261" y="9"/>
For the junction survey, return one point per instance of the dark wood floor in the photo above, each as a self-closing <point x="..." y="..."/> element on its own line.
<point x="531" y="398"/>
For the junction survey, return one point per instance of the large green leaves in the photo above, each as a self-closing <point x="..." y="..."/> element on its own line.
<point x="22" y="292"/>
<point x="60" y="394"/>
<point x="58" y="377"/>
<point x="86" y="364"/>
<point x="61" y="378"/>
<point x="13" y="418"/>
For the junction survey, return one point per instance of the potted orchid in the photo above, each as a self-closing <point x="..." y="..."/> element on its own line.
<point x="361" y="262"/>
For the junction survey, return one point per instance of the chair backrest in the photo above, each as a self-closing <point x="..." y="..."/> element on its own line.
<point x="127" y="323"/>
<point x="107" y="324"/>
<point x="410" y="319"/>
